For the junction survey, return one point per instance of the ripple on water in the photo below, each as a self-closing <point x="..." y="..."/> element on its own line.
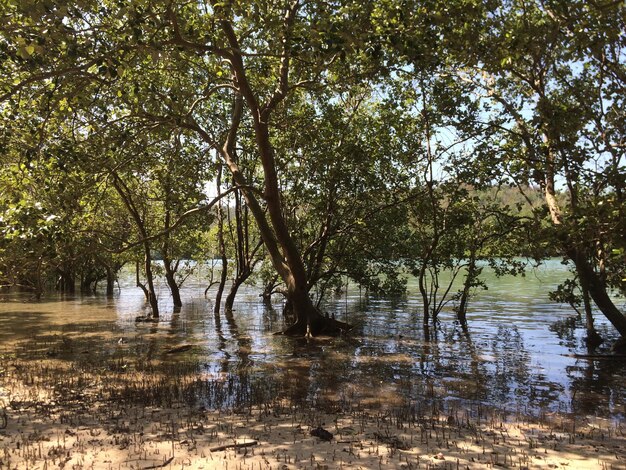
<point x="517" y="354"/>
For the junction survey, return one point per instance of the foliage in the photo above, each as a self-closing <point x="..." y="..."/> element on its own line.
<point x="366" y="141"/>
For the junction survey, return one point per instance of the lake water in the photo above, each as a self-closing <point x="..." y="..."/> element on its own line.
<point x="518" y="354"/>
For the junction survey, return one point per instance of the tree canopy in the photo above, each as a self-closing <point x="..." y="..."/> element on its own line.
<point x="348" y="140"/>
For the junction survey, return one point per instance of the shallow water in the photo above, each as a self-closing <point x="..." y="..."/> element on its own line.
<point x="517" y="355"/>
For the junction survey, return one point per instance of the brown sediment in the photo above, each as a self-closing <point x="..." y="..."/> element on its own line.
<point x="58" y="417"/>
<point x="150" y="438"/>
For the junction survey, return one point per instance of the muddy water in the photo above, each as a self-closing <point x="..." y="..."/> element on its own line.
<point x="518" y="354"/>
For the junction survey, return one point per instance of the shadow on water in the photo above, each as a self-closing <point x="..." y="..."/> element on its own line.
<point x="31" y="324"/>
<point x="93" y="348"/>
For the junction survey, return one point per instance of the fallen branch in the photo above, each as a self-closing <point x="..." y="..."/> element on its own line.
<point x="167" y="462"/>
<point x="233" y="446"/>
<point x="181" y="348"/>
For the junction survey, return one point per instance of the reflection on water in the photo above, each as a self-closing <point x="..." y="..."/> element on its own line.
<point x="517" y="354"/>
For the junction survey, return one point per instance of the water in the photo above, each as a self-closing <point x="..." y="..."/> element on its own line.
<point x="518" y="354"/>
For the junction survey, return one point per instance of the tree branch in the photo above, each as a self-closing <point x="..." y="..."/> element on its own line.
<point x="179" y="40"/>
<point x="181" y="219"/>
<point x="283" y="73"/>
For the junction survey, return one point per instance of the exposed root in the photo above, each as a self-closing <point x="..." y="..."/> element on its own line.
<point x="619" y="346"/>
<point x="146" y="319"/>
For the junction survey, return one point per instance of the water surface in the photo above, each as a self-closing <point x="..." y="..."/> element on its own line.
<point x="517" y="355"/>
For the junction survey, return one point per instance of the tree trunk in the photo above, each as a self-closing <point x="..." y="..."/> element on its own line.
<point x="588" y="276"/>
<point x="461" y="312"/>
<point x="597" y="290"/>
<point x="170" y="272"/>
<point x="424" y="294"/>
<point x="222" y="245"/>
<point x="38" y="279"/>
<point x="245" y="261"/>
<point x="67" y="282"/>
<point x="152" y="299"/>
<point x="126" y="196"/>
<point x="221" y="286"/>
<point x="230" y="298"/>
<point x="148" y="291"/>
<point x="70" y="284"/>
<point x="110" y="281"/>
<point x="268" y="289"/>
<point x="593" y="339"/>
<point x="172" y="284"/>
<point x="138" y="282"/>
<point x="86" y="282"/>
<point x="281" y="248"/>
<point x="309" y="320"/>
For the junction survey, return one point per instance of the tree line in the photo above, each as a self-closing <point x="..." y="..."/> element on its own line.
<point x="313" y="141"/>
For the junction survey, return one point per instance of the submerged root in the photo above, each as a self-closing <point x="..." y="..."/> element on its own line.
<point x="593" y="339"/>
<point x="317" y="326"/>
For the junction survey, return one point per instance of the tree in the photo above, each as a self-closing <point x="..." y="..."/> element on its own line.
<point x="549" y="91"/>
<point x="344" y="198"/>
<point x="250" y="55"/>
<point x="335" y="123"/>
<point x="50" y="202"/>
<point x="280" y="31"/>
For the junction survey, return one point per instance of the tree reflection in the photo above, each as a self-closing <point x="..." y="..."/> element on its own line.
<point x="390" y="361"/>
